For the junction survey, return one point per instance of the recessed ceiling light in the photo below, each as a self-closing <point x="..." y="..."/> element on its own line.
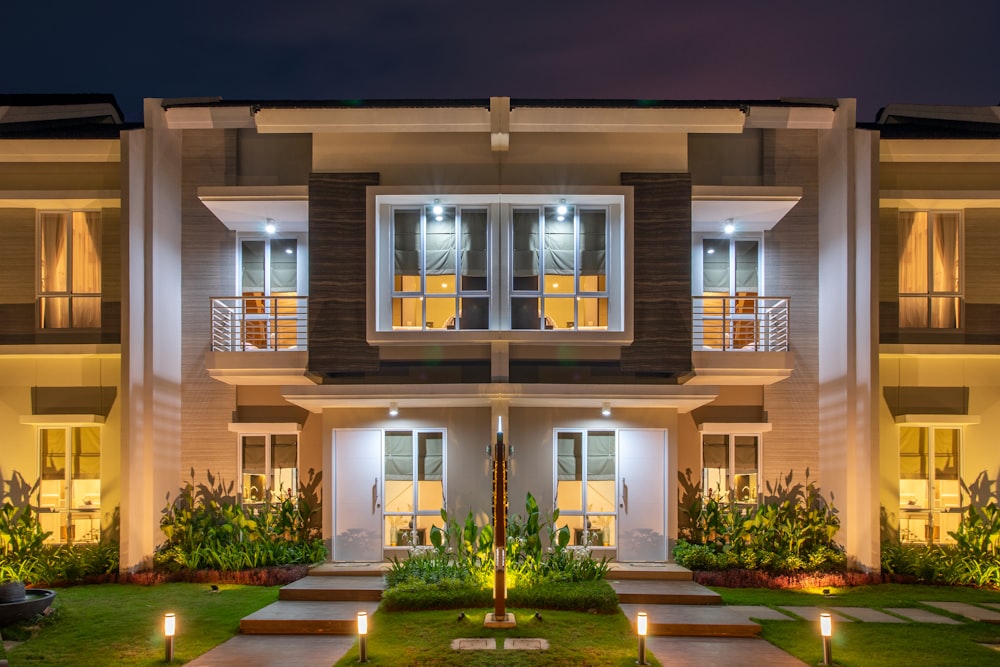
<point x="438" y="210"/>
<point x="269" y="227"/>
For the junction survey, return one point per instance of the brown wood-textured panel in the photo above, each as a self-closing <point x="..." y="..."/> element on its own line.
<point x="337" y="274"/>
<point x="888" y="254"/>
<point x="111" y="254"/>
<point x="208" y="159"/>
<point x="982" y="240"/>
<point x="791" y="264"/>
<point x="939" y="175"/>
<point x="982" y="323"/>
<point x="17" y="256"/>
<point x="661" y="263"/>
<point x="17" y="323"/>
<point x="60" y="175"/>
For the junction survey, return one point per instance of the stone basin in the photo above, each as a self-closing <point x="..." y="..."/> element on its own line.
<point x="36" y="600"/>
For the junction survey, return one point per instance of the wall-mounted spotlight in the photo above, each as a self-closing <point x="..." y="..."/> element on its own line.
<point x="393" y="409"/>
<point x="730" y="227"/>
<point x="606" y="409"/>
<point x="269" y="226"/>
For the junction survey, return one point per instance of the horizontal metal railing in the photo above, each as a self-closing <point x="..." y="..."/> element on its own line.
<point x="740" y="323"/>
<point x="251" y="323"/>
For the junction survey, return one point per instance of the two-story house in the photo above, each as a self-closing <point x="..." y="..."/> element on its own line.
<point x="645" y="295"/>
<point x="60" y="316"/>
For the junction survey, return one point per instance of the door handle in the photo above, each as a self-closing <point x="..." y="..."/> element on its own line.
<point x="375" y="499"/>
<point x="624" y="500"/>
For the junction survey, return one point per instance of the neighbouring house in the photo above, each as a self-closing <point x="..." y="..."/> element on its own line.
<point x="647" y="295"/>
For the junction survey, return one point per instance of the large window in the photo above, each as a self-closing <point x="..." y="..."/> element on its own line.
<point x="440" y="268"/>
<point x="586" y="489"/>
<point x="729" y="466"/>
<point x="69" y="269"/>
<point x="270" y="467"/>
<point x="930" y="270"/>
<point x="414" y="485"/>
<point x="930" y="491"/>
<point x="530" y="264"/>
<point x="69" y="499"/>
<point x="269" y="285"/>
<point x="730" y="315"/>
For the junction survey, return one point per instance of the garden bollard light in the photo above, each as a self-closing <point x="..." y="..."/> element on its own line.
<point x="826" y="629"/>
<point x="169" y="629"/>
<point x="362" y="636"/>
<point x="640" y="626"/>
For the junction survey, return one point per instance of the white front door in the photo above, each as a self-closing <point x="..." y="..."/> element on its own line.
<point x="357" y="489"/>
<point x="642" y="496"/>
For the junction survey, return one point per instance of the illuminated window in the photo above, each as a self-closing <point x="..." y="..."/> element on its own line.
<point x="270" y="467"/>
<point x="586" y="490"/>
<point x="414" y="485"/>
<point x="69" y="493"/>
<point x="930" y="488"/>
<point x="730" y="466"/>
<point x="69" y="270"/>
<point x="930" y="270"/>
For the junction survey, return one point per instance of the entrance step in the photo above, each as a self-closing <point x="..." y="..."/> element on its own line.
<point x="678" y="620"/>
<point x="649" y="571"/>
<point x="663" y="591"/>
<point x="349" y="569"/>
<point x="345" y="588"/>
<point x="287" y="617"/>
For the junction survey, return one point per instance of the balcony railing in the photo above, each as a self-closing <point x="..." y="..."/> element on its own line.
<point x="250" y="323"/>
<point x="740" y="323"/>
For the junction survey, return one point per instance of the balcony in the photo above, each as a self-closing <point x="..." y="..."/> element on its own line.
<point x="259" y="339"/>
<point x="740" y="340"/>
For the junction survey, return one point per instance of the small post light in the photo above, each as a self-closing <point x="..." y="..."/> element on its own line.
<point x="640" y="628"/>
<point x="169" y="630"/>
<point x="362" y="636"/>
<point x="826" y="629"/>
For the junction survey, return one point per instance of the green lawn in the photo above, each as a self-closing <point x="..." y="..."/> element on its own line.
<point x="116" y="624"/>
<point x="879" y="644"/>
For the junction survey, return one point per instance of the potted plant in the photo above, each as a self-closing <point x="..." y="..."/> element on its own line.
<point x="12" y="576"/>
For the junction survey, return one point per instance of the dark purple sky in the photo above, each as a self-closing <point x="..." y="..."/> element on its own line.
<point x="879" y="51"/>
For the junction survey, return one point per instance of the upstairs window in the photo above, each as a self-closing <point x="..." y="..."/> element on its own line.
<point x="930" y="270"/>
<point x="69" y="270"/>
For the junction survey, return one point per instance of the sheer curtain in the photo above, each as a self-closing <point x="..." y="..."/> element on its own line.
<point x="947" y="279"/>
<point x="87" y="269"/>
<point x="53" y="266"/>
<point x="913" y="246"/>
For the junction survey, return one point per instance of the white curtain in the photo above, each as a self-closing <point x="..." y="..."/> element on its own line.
<point x="87" y="269"/>
<point x="947" y="279"/>
<point x="913" y="246"/>
<point x="53" y="267"/>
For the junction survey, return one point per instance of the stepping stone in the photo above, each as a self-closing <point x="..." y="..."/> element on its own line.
<point x="991" y="605"/>
<point x="922" y="615"/>
<point x="699" y="620"/>
<point x="529" y="644"/>
<point x="812" y="613"/>
<point x="759" y="612"/>
<point x="476" y="644"/>
<point x="866" y="615"/>
<point x="634" y="591"/>
<point x="970" y="611"/>
<point x="732" y="652"/>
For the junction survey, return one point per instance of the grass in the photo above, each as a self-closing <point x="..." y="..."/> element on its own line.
<point x="122" y="624"/>
<point x="424" y="638"/>
<point x="878" y="644"/>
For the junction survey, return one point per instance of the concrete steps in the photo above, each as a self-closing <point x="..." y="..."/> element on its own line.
<point x="660" y="591"/>
<point x="306" y="618"/>
<point x="649" y="572"/>
<point x="326" y="588"/>
<point x="680" y="620"/>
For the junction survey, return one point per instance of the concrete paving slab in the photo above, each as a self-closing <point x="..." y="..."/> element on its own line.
<point x="331" y="588"/>
<point x="991" y="605"/>
<point x="866" y="615"/>
<point x="525" y="644"/>
<point x="649" y="571"/>
<point x="922" y="615"/>
<point x="474" y="644"/>
<point x="306" y="618"/>
<point x="730" y="652"/>
<point x="812" y="613"/>
<point x="635" y="591"/>
<point x="276" y="651"/>
<point x="759" y="612"/>
<point x="970" y="611"/>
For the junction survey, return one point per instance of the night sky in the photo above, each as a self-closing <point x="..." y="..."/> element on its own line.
<point x="879" y="51"/>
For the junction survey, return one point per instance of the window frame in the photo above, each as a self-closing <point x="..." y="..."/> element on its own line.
<point x="270" y="494"/>
<point x="725" y="495"/>
<point x="611" y="539"/>
<point x="932" y="508"/>
<point x="416" y="513"/>
<point x="931" y="293"/>
<point x="69" y="293"/>
<point x="618" y="269"/>
<point x="67" y="507"/>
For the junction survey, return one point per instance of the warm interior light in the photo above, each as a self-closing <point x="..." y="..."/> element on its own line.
<point x="393" y="409"/>
<point x="606" y="409"/>
<point x="169" y="625"/>
<point x="826" y="624"/>
<point x="640" y="624"/>
<point x="362" y="622"/>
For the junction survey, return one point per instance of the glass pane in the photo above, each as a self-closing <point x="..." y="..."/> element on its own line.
<point x="430" y="453"/>
<point x="601" y="455"/>
<point x="746" y="453"/>
<point x="945" y="312"/>
<point x="913" y="252"/>
<point x="86" y="456"/>
<point x="253" y="267"/>
<point x="474" y="258"/>
<point x="715" y="266"/>
<point x="254" y="468"/>
<point x="945" y="255"/>
<point x="746" y="267"/>
<point x="53" y="264"/>
<point x="593" y="313"/>
<point x="559" y="313"/>
<point x="440" y="313"/>
<point x="601" y="495"/>
<point x="53" y="312"/>
<point x="86" y="253"/>
<point x="715" y="464"/>
<point x="559" y="242"/>
<point x="474" y="314"/>
<point x="86" y="311"/>
<point x="408" y="313"/>
<point x="569" y="473"/>
<point x="441" y="245"/>
<point x="284" y="266"/>
<point x="913" y="312"/>
<point x="525" y="267"/>
<point x="913" y="453"/>
<point x="745" y="487"/>
<point x="593" y="243"/>
<point x="399" y="531"/>
<point x="284" y="465"/>
<point x="600" y="531"/>
<point x="524" y="314"/>
<point x="53" y="445"/>
<point x="406" y="242"/>
<point x="946" y="452"/>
